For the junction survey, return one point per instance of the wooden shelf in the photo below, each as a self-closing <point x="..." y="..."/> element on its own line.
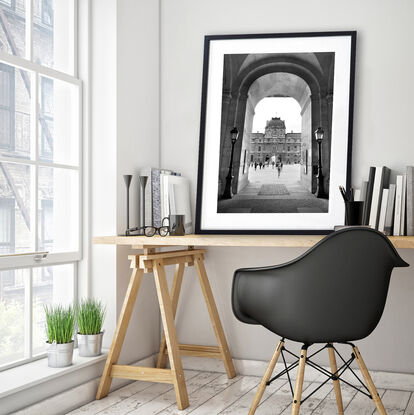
<point x="288" y="241"/>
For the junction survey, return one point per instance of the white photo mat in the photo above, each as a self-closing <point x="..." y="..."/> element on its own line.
<point x="209" y="219"/>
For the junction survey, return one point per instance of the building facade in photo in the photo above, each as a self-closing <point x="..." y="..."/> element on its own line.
<point x="275" y="144"/>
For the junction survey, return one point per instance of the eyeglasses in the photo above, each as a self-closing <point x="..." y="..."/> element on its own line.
<point x="152" y="230"/>
<point x="149" y="231"/>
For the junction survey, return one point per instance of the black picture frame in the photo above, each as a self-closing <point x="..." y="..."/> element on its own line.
<point x="199" y="228"/>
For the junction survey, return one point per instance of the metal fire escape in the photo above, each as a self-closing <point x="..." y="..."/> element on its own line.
<point x="45" y="129"/>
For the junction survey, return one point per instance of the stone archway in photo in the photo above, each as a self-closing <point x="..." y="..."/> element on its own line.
<point x="306" y="77"/>
<point x="281" y="84"/>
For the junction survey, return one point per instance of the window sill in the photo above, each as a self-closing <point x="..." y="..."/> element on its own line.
<point x="34" y="373"/>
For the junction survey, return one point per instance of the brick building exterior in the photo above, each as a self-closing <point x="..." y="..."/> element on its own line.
<point x="16" y="180"/>
<point x="275" y="144"/>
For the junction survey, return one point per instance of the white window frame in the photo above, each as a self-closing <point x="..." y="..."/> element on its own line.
<point x="30" y="260"/>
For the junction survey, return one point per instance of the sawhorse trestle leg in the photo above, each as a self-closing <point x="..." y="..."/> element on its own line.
<point x="218" y="352"/>
<point x="156" y="262"/>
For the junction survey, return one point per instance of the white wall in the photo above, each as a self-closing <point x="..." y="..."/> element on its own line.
<point x="103" y="149"/>
<point x="382" y="135"/>
<point x="137" y="147"/>
<point x="124" y="113"/>
<point x="125" y="119"/>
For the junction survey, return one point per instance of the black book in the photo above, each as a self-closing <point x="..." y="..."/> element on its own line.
<point x="368" y="199"/>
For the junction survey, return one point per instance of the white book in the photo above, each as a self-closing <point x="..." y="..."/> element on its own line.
<point x="183" y="206"/>
<point x="179" y="200"/>
<point x="403" y="204"/>
<point x="157" y="195"/>
<point x="397" y="212"/>
<point x="364" y="188"/>
<point x="165" y="209"/>
<point x="375" y="199"/>
<point x="171" y="198"/>
<point x="410" y="200"/>
<point x="381" y="181"/>
<point x="384" y="203"/>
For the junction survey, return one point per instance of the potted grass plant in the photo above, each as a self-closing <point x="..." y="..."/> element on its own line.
<point x="91" y="315"/>
<point x="60" y="327"/>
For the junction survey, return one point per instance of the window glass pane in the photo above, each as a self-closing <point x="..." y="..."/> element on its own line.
<point x="58" y="122"/>
<point x="14" y="112"/>
<point x="16" y="233"/>
<point x="53" y="33"/>
<point x="13" y="26"/>
<point x="51" y="285"/>
<point x="6" y="225"/>
<point x="58" y="209"/>
<point x="12" y="310"/>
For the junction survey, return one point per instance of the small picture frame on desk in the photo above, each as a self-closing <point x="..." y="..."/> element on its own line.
<point x="275" y="133"/>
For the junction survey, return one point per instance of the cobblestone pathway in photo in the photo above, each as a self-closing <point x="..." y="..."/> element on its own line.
<point x="268" y="193"/>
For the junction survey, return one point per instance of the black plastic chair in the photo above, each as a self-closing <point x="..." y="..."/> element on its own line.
<point x="333" y="293"/>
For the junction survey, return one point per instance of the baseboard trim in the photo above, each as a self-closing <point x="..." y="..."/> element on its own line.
<point x="74" y="398"/>
<point x="382" y="380"/>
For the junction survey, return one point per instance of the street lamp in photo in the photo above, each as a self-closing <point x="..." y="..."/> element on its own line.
<point x="319" y="133"/>
<point x="228" y="193"/>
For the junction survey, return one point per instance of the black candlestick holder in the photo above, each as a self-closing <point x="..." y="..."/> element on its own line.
<point x="127" y="180"/>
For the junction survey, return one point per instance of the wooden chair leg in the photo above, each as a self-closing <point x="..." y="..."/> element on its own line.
<point x="299" y="383"/>
<point x="265" y="378"/>
<point x="337" y="386"/>
<point x="370" y="384"/>
<point x="175" y="293"/>
<point x="167" y="316"/>
<point x="121" y="329"/>
<point x="214" y="316"/>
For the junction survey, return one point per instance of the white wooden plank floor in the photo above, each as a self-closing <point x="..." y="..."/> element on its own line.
<point x="212" y="393"/>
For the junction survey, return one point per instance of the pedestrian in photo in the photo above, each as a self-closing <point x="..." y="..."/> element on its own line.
<point x="279" y="166"/>
<point x="255" y="165"/>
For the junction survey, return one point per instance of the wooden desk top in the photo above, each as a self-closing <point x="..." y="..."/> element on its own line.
<point x="231" y="240"/>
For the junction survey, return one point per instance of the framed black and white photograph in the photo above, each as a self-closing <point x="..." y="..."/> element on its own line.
<point x="276" y="132"/>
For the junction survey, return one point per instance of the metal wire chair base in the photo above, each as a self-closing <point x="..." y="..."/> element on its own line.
<point x="346" y="365"/>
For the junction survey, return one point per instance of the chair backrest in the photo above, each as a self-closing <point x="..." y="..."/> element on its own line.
<point x="334" y="292"/>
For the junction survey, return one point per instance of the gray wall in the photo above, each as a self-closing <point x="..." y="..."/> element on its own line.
<point x="382" y="135"/>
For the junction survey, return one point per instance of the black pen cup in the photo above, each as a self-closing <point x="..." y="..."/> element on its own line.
<point x="354" y="213"/>
<point x="177" y="225"/>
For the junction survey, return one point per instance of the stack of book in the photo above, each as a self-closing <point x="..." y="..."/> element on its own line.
<point x="388" y="207"/>
<point x="167" y="193"/>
